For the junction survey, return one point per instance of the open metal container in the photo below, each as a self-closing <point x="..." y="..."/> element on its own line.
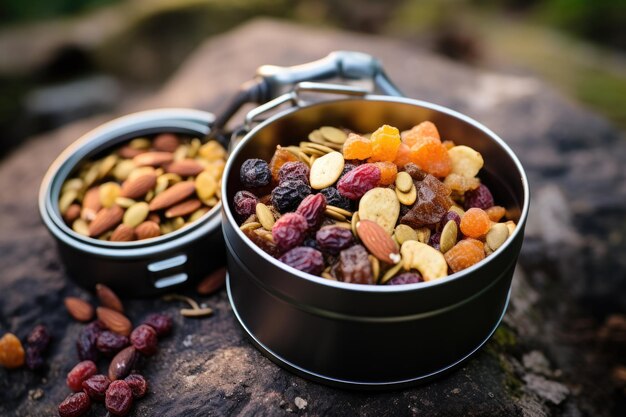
<point x="139" y="268"/>
<point x="368" y="336"/>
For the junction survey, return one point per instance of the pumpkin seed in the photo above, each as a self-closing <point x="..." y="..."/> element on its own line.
<point x="75" y="184"/>
<point x="332" y="134"/>
<point x="375" y="267"/>
<point x="81" y="227"/>
<point x="250" y="226"/>
<point x="497" y="235"/>
<point x="326" y="170"/>
<point x="448" y="236"/>
<point x="197" y="214"/>
<point x="407" y="198"/>
<point x="123" y="169"/>
<point x="423" y="234"/>
<point x="265" y="216"/>
<point x="107" y="165"/>
<point x="354" y="222"/>
<point x="391" y="272"/>
<point x="66" y="199"/>
<point x="124" y="202"/>
<point x="404" y="182"/>
<point x="136" y="214"/>
<point x="402" y="233"/>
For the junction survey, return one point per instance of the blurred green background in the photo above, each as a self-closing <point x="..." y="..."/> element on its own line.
<point x="90" y="55"/>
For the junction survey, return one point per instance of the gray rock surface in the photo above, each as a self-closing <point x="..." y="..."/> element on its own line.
<point x="552" y="356"/>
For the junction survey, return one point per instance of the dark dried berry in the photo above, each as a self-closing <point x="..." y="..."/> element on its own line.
<point x="119" y="398"/>
<point x="137" y="384"/>
<point x="358" y="181"/>
<point x="110" y="343"/>
<point x="294" y="171"/>
<point x="333" y="198"/>
<point x="39" y="338"/>
<point x="34" y="358"/>
<point x="289" y="231"/>
<point x="414" y="171"/>
<point x="434" y="239"/>
<point x="304" y="259"/>
<point x="334" y="239"/>
<point x="347" y="167"/>
<point x="82" y="371"/>
<point x="289" y="194"/>
<point x="310" y="242"/>
<point x="161" y="323"/>
<point x="96" y="387"/>
<point x="144" y="338"/>
<point x="245" y="203"/>
<point x="312" y="208"/>
<point x="481" y="198"/>
<point x="451" y="215"/>
<point x="75" y="405"/>
<point x="255" y="173"/>
<point x="406" y="278"/>
<point x="86" y="342"/>
<point x="354" y="266"/>
<point x="123" y="363"/>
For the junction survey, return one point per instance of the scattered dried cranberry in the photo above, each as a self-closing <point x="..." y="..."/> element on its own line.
<point x="334" y="239"/>
<point x="289" y="194"/>
<point x="333" y="198"/>
<point x="481" y="197"/>
<point x="137" y="384"/>
<point x="74" y="405"/>
<point x="119" y="398"/>
<point x="86" y="343"/>
<point x="289" y="231"/>
<point x="245" y="203"/>
<point x="304" y="259"/>
<point x="354" y="265"/>
<point x="82" y="371"/>
<point x="358" y="181"/>
<point x="255" y="173"/>
<point x="294" y="171"/>
<point x="110" y="343"/>
<point x="144" y="339"/>
<point x="96" y="387"/>
<point x="161" y="323"/>
<point x="312" y="208"/>
<point x="406" y="278"/>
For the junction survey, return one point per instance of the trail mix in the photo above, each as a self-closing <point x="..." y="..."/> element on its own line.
<point x="388" y="207"/>
<point x="145" y="188"/>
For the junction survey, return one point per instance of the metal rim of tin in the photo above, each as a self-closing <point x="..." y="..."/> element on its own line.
<point x="525" y="204"/>
<point x="101" y="138"/>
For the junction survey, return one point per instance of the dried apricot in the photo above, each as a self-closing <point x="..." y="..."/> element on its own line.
<point x="281" y="157"/>
<point x="402" y="156"/>
<point x="388" y="172"/>
<point x="11" y="351"/>
<point x="475" y="223"/>
<point x="385" y="144"/>
<point x="495" y="213"/>
<point x="464" y="254"/>
<point x="418" y="133"/>
<point x="431" y="157"/>
<point x="357" y="147"/>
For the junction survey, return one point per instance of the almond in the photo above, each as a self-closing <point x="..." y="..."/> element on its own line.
<point x="175" y="194"/>
<point x="147" y="230"/>
<point x="80" y="309"/>
<point x="153" y="159"/>
<point x="138" y="186"/>
<point x="123" y="233"/>
<point x="378" y="241"/>
<point x="108" y="298"/>
<point x="114" y="321"/>
<point x="213" y="282"/>
<point x="122" y="363"/>
<point x="166" y="142"/>
<point x="91" y="204"/>
<point x="105" y="220"/>
<point x="184" y="208"/>
<point x="72" y="213"/>
<point x="185" y="167"/>
<point x="129" y="152"/>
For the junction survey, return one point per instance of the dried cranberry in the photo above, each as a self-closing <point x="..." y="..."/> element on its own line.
<point x="289" y="194"/>
<point x="96" y="387"/>
<point x="481" y="197"/>
<point x="137" y="384"/>
<point x="406" y="278"/>
<point x="82" y="371"/>
<point x="245" y="203"/>
<point x="161" y="323"/>
<point x="304" y="259"/>
<point x="86" y="343"/>
<point x="312" y="208"/>
<point x="354" y="265"/>
<point x="144" y="339"/>
<point x="358" y="181"/>
<point x="294" y="171"/>
<point x="110" y="343"/>
<point x="119" y="398"/>
<point x="334" y="239"/>
<point x="333" y="198"/>
<point x="255" y="173"/>
<point x="74" y="405"/>
<point x="289" y="231"/>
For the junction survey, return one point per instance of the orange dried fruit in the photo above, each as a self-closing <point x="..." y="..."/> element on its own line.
<point x="449" y="144"/>
<point x="495" y="213"/>
<point x="11" y="351"/>
<point x="431" y="157"/>
<point x="357" y="147"/>
<point x="402" y="156"/>
<point x="388" y="172"/>
<point x="464" y="254"/>
<point x="385" y="143"/>
<point x="281" y="157"/>
<point x="461" y="183"/>
<point x="475" y="223"/>
<point x="418" y="133"/>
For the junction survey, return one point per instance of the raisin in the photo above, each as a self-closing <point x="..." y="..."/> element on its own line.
<point x="39" y="338"/>
<point x="312" y="208"/>
<point x="304" y="259"/>
<point x="289" y="194"/>
<point x="434" y="240"/>
<point x="11" y="351"/>
<point x="245" y="203"/>
<point x="119" y="398"/>
<point x="281" y="156"/>
<point x="75" y="405"/>
<point x="354" y="266"/>
<point x="96" y="387"/>
<point x="161" y="323"/>
<point x="480" y="197"/>
<point x="82" y="371"/>
<point x="385" y="143"/>
<point x="464" y="254"/>
<point x="431" y="205"/>
<point x="475" y="223"/>
<point x="289" y="231"/>
<point x="34" y="358"/>
<point x="357" y="147"/>
<point x="405" y="278"/>
<point x="86" y="342"/>
<point x="144" y="339"/>
<point x="110" y="343"/>
<point x="138" y="385"/>
<point x="334" y="239"/>
<point x="310" y="242"/>
<point x="360" y="180"/>
<point x="333" y="198"/>
<point x="451" y="215"/>
<point x="294" y="171"/>
<point x="255" y="173"/>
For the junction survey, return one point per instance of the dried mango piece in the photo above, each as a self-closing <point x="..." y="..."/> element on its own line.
<point x="357" y="147"/>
